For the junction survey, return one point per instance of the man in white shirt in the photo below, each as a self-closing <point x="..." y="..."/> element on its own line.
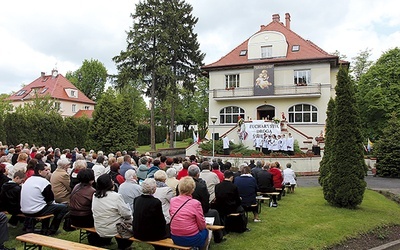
<point x="225" y="145"/>
<point x="290" y="144"/>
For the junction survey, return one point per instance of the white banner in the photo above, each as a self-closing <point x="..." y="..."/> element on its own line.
<point x="250" y="130"/>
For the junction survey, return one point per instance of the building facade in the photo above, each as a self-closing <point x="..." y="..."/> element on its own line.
<point x="68" y="99"/>
<point x="274" y="76"/>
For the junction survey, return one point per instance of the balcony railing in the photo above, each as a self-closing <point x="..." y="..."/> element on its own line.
<point x="279" y="91"/>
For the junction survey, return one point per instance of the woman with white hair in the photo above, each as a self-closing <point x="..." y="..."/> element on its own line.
<point x="130" y="189"/>
<point x="148" y="218"/>
<point x="163" y="192"/>
<point x="171" y="181"/>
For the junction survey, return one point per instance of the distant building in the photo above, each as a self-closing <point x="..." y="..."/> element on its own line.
<point x="69" y="100"/>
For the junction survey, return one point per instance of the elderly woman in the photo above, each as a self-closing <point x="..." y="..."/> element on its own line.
<point x="171" y="181"/>
<point x="188" y="226"/>
<point x="143" y="168"/>
<point x="78" y="166"/>
<point x="148" y="219"/>
<point x="109" y="208"/>
<point x="163" y="192"/>
<point x="60" y="181"/>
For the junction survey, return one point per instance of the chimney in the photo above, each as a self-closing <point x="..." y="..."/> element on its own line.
<point x="275" y="18"/>
<point x="287" y="20"/>
<point x="42" y="74"/>
<point x="54" y="73"/>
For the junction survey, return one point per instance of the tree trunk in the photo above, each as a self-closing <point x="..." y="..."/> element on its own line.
<point x="152" y="123"/>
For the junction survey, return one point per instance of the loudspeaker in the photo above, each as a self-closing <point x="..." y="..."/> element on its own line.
<point x="216" y="136"/>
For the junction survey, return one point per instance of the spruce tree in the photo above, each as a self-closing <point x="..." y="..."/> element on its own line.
<point x="325" y="162"/>
<point x="387" y="149"/>
<point x="345" y="184"/>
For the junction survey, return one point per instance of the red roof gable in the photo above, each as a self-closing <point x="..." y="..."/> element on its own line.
<point x="54" y="86"/>
<point x="308" y="50"/>
<point x="82" y="112"/>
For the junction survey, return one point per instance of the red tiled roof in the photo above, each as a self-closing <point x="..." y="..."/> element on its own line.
<point x="308" y="50"/>
<point x="82" y="112"/>
<point x="55" y="88"/>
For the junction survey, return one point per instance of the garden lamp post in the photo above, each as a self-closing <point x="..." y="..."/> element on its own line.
<point x="213" y="119"/>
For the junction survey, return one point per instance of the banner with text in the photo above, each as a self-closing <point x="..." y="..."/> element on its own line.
<point x="260" y="127"/>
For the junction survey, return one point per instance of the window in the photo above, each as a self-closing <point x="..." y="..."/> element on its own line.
<point x="243" y="52"/>
<point x="87" y="107"/>
<point x="302" y="77"/>
<point x="232" y="81"/>
<point x="43" y="91"/>
<point x="21" y="92"/>
<point x="73" y="108"/>
<point x="73" y="93"/>
<point x="57" y="106"/>
<point x="266" y="51"/>
<point x="303" y="113"/>
<point x="230" y="114"/>
<point x="295" y="47"/>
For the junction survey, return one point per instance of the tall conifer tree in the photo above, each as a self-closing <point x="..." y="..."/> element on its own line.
<point x="325" y="162"/>
<point x="344" y="185"/>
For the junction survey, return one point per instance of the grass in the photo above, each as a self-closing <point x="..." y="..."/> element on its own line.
<point x="303" y="220"/>
<point x="146" y="148"/>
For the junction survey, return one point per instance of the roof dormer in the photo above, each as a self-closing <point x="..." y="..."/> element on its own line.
<point x="72" y="93"/>
<point x="267" y="44"/>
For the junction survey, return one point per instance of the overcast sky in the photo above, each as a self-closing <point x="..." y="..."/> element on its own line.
<point x="39" y="35"/>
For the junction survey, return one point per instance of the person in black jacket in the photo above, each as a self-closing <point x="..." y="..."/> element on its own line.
<point x="265" y="183"/>
<point x="10" y="197"/>
<point x="227" y="201"/>
<point x="148" y="219"/>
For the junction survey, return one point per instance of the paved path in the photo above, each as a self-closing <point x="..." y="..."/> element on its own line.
<point x="377" y="183"/>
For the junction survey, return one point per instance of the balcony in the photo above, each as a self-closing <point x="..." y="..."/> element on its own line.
<point x="312" y="90"/>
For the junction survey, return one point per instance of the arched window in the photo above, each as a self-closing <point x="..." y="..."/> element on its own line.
<point x="230" y="114"/>
<point x="303" y="113"/>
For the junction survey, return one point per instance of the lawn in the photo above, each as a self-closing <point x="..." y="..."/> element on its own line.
<point x="146" y="148"/>
<point x="303" y="220"/>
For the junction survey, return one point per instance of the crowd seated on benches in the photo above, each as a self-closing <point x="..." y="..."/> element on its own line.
<point x="102" y="208"/>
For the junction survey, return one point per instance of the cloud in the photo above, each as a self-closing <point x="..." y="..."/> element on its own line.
<point x="38" y="35"/>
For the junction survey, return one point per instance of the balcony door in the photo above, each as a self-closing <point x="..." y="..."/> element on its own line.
<point x="265" y="112"/>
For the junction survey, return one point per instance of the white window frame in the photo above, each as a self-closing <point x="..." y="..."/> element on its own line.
<point x="229" y="115"/>
<point x="57" y="106"/>
<point x="232" y="81"/>
<point x="73" y="93"/>
<point x="266" y="51"/>
<point x="73" y="108"/>
<point x="302" y="77"/>
<point x="303" y="113"/>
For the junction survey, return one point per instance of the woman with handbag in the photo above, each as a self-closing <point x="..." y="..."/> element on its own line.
<point x="188" y="226"/>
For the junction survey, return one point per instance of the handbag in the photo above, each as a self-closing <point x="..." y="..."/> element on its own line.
<point x="124" y="230"/>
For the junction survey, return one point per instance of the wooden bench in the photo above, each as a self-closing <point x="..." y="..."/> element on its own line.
<point x="260" y="199"/>
<point x="37" y="241"/>
<point x="165" y="242"/>
<point x="290" y="188"/>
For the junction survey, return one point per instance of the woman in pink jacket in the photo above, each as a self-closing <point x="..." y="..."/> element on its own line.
<point x="188" y="226"/>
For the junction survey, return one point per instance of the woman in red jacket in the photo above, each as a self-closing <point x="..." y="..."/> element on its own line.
<point x="277" y="177"/>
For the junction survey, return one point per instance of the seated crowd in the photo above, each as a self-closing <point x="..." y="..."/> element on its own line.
<point x="162" y="197"/>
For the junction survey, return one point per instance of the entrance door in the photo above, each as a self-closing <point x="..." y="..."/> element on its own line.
<point x="265" y="112"/>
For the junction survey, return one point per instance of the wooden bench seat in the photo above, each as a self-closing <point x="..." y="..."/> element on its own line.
<point x="38" y="218"/>
<point x="165" y="242"/>
<point x="37" y="241"/>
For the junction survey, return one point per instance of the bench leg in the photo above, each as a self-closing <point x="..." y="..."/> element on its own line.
<point x="31" y="246"/>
